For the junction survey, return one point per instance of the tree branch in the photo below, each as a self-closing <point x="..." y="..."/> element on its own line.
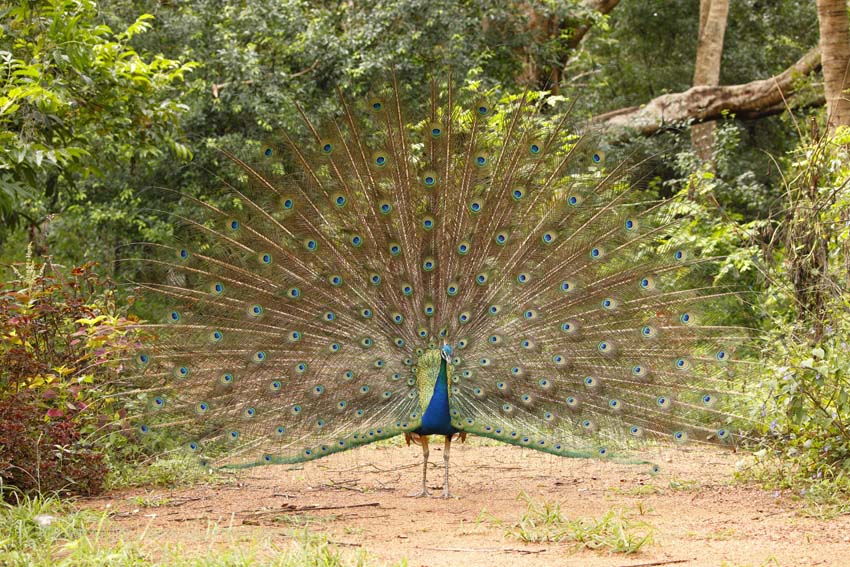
<point x="601" y="6"/>
<point x="755" y="99"/>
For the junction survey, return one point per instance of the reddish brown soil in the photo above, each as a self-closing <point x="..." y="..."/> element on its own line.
<point x="700" y="514"/>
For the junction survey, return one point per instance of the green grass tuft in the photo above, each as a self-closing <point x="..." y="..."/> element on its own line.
<point x="614" y="531"/>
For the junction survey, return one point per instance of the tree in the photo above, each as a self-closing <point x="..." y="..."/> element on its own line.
<point x="835" y="49"/>
<point x="712" y="28"/>
<point x="76" y="100"/>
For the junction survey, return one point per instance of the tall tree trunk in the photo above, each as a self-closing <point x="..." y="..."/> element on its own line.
<point x="835" y="57"/>
<point x="712" y="29"/>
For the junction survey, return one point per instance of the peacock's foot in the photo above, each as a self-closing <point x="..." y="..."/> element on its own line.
<point x="447" y="495"/>
<point x="421" y="494"/>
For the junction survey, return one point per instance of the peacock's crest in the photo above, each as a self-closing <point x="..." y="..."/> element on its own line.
<point x="308" y="316"/>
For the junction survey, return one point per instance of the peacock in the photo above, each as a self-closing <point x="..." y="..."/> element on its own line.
<point x="476" y="269"/>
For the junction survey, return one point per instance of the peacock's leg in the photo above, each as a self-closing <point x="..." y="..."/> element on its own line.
<point x="424" y="440"/>
<point x="446" y="493"/>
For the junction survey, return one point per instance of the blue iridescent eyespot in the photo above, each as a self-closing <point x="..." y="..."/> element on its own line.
<point x="428" y="223"/>
<point x="501" y="238"/>
<point x="296" y="409"/>
<point x="494" y="310"/>
<point x="144" y="429"/>
<point x="202" y="407"/>
<point x="482" y="109"/>
<point x="598" y="157"/>
<point x="481" y="279"/>
<point x="217" y="288"/>
<point x="480" y="160"/>
<point x="522" y="278"/>
<point x="366" y="313"/>
<point x="463" y="248"/>
<point x="226" y="378"/>
<point x="318" y="390"/>
<point x="234" y="225"/>
<point x="428" y="265"/>
<point x="249" y="412"/>
<point x="385" y="208"/>
<point x="463" y="317"/>
<point x="335" y="347"/>
<point x="429" y="180"/>
<point x="534" y="149"/>
<point x="398" y="318"/>
<point x="294" y="336"/>
<point x="356" y="240"/>
<point x="573" y="200"/>
<point x="721" y="355"/>
<point x="375" y="279"/>
<point x="395" y="249"/>
<point x="380" y="160"/>
<point x="630" y="224"/>
<point x="288" y="203"/>
<point x="259" y="356"/>
<point x="280" y="430"/>
<point x="268" y="152"/>
<point x="451" y="290"/>
<point x="436" y="132"/>
<point x="330" y="316"/>
<point x="339" y="200"/>
<point x="311" y="245"/>
<point x="234" y="435"/>
<point x="366" y="342"/>
<point x="335" y="280"/>
<point x="266" y="259"/>
<point x="301" y="367"/>
<point x="548" y="237"/>
<point x="327" y="148"/>
<point x="275" y="386"/>
<point x="294" y="292"/>
<point x="142" y="359"/>
<point x="174" y="316"/>
<point x="518" y="194"/>
<point x="376" y="105"/>
<point x="475" y="206"/>
<point x="596" y="253"/>
<point x="407" y="289"/>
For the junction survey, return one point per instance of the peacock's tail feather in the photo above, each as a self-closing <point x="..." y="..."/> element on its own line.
<point x="300" y="313"/>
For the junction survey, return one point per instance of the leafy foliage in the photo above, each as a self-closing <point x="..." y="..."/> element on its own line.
<point x="63" y="342"/>
<point x="76" y="101"/>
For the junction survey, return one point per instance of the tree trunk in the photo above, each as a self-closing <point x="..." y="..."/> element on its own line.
<point x="835" y="50"/>
<point x="712" y="29"/>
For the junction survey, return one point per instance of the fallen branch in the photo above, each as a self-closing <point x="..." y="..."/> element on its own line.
<point x="755" y="99"/>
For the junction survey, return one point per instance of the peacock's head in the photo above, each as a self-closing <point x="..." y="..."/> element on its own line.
<point x="446" y="352"/>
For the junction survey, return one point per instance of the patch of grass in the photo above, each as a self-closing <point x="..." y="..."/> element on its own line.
<point x="614" y="531"/>
<point x="639" y="490"/>
<point x="169" y="471"/>
<point x="824" y="497"/>
<point x="46" y="532"/>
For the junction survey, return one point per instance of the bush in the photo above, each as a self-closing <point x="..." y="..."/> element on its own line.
<point x="63" y="343"/>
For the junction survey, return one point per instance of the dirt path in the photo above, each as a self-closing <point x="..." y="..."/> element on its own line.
<point x="700" y="516"/>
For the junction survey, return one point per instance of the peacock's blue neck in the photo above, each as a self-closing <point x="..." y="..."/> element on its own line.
<point x="437" y="420"/>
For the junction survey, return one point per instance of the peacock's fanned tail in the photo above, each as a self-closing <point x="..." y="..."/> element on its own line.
<point x="299" y="315"/>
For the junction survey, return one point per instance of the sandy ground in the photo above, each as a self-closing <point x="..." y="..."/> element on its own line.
<point x="358" y="499"/>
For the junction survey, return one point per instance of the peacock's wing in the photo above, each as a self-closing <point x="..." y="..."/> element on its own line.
<point x="298" y="313"/>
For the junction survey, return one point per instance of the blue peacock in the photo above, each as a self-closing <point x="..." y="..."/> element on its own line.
<point x="470" y="270"/>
